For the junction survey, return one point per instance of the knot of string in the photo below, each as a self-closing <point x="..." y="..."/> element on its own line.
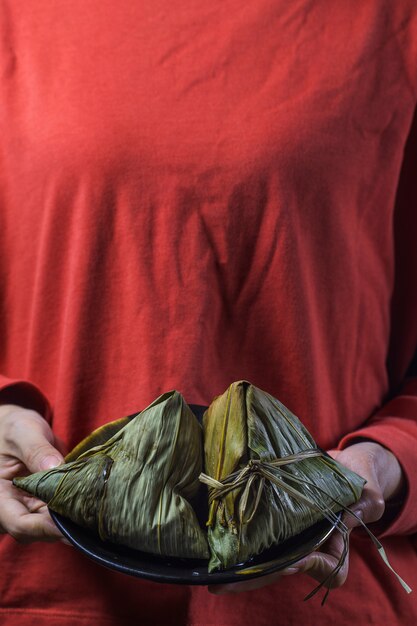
<point x="255" y="471"/>
<point x="267" y="470"/>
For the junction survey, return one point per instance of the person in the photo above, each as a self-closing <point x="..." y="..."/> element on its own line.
<point x="192" y="194"/>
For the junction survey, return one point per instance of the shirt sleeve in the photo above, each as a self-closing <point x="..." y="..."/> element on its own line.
<point x="26" y="394"/>
<point x="395" y="428"/>
<point x="394" y="425"/>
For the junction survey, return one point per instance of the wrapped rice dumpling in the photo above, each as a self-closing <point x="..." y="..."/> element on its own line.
<point x="267" y="479"/>
<point x="132" y="481"/>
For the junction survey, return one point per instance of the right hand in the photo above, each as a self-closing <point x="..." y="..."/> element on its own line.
<point x="27" y="445"/>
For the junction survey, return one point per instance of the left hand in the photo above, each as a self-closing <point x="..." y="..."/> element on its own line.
<point x="385" y="480"/>
<point x="27" y="444"/>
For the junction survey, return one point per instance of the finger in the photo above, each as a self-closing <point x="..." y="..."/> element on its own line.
<point x="322" y="567"/>
<point x="370" y="506"/>
<point x="319" y="565"/>
<point x="330" y="564"/>
<point x="371" y="502"/>
<point x="32" y="440"/>
<point x="27" y="527"/>
<point x="22" y="524"/>
<point x="30" y="503"/>
<point x="35" y="527"/>
<point x="33" y="505"/>
<point x="11" y="467"/>
<point x="350" y="518"/>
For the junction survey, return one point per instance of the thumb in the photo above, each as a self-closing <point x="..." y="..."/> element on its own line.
<point x="327" y="565"/>
<point x="36" y="449"/>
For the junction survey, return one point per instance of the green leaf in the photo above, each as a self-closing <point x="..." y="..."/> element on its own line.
<point x="135" y="488"/>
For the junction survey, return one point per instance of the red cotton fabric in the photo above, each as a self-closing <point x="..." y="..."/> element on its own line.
<point x="193" y="193"/>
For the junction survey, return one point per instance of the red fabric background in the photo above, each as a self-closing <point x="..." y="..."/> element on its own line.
<point x="196" y="193"/>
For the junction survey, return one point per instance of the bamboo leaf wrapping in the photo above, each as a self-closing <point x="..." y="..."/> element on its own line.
<point x="135" y="488"/>
<point x="274" y="502"/>
<point x="132" y="480"/>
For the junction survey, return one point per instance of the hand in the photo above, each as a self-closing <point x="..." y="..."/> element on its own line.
<point x="385" y="480"/>
<point x="27" y="444"/>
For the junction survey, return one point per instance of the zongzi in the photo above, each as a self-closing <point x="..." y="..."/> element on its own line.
<point x="267" y="479"/>
<point x="133" y="480"/>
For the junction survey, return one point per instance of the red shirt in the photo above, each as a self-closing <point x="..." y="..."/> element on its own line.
<point x="196" y="193"/>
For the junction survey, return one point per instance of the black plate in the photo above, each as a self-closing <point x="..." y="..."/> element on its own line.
<point x="190" y="571"/>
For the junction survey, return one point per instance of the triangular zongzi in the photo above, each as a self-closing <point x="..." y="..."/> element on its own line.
<point x="135" y="487"/>
<point x="267" y="479"/>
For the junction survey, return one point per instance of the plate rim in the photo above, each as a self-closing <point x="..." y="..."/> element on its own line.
<point x="232" y="575"/>
<point x="200" y="574"/>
